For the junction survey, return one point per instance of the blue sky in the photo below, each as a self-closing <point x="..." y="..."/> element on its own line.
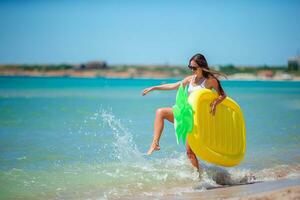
<point x="149" y="32"/>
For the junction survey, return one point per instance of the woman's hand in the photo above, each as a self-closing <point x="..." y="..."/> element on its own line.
<point x="147" y="90"/>
<point x="213" y="107"/>
<point x="214" y="104"/>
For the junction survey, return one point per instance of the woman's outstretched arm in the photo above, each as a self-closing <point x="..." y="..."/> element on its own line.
<point x="169" y="86"/>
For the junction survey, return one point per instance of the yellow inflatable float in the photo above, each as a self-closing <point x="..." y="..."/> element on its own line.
<point x="218" y="139"/>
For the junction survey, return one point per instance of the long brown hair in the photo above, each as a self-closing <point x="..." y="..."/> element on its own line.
<point x="201" y="61"/>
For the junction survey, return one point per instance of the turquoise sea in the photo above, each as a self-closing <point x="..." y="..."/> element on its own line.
<point x="86" y="138"/>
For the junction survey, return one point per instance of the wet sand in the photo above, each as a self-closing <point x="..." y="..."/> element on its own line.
<point x="262" y="190"/>
<point x="290" y="193"/>
<point x="280" y="189"/>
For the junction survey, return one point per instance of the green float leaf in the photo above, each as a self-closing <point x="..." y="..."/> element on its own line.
<point x="183" y="115"/>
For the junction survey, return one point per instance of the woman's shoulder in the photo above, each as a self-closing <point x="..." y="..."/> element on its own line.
<point x="211" y="81"/>
<point x="211" y="78"/>
<point x="187" y="80"/>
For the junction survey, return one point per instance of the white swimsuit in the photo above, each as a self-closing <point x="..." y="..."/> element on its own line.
<point x="197" y="87"/>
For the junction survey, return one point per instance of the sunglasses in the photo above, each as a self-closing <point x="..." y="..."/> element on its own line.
<point x="192" y="67"/>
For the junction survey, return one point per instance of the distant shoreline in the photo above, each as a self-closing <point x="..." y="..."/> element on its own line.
<point x="245" y="77"/>
<point x="154" y="72"/>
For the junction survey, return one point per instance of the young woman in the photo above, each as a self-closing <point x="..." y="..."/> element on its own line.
<point x="202" y="77"/>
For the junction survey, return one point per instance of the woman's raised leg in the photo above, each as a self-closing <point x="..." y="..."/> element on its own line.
<point x="161" y="115"/>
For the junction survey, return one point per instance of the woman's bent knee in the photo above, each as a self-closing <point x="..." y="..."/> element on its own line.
<point x="160" y="112"/>
<point x="165" y="113"/>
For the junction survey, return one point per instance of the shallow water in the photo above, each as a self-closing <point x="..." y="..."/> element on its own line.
<point x="86" y="138"/>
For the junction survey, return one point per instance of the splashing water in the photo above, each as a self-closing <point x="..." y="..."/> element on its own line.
<point x="176" y="168"/>
<point x="126" y="150"/>
<point x="143" y="173"/>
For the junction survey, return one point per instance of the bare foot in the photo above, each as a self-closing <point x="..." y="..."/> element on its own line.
<point x="154" y="147"/>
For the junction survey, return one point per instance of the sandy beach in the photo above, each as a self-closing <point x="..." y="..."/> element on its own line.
<point x="290" y="193"/>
